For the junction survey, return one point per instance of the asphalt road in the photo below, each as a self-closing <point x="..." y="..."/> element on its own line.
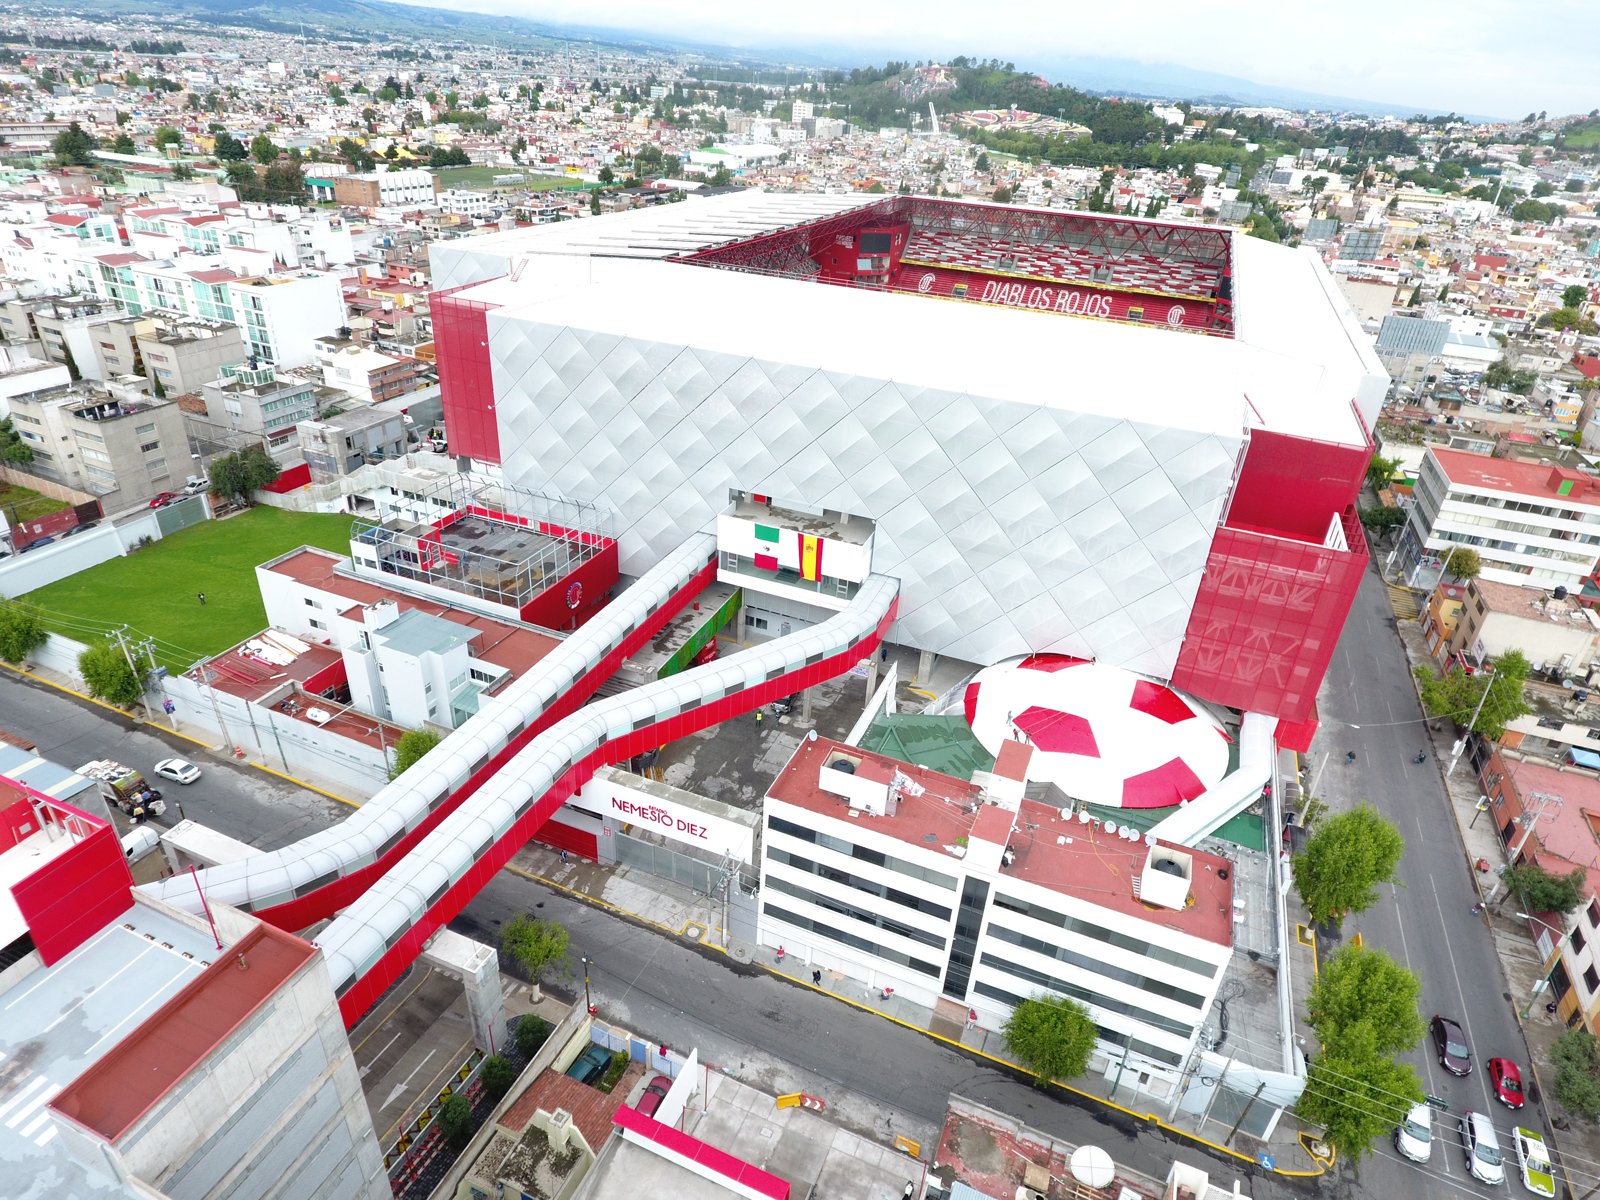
<point x="240" y="801"/>
<point x="1425" y="922"/>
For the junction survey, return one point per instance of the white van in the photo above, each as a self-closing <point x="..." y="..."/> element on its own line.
<point x="140" y="842"/>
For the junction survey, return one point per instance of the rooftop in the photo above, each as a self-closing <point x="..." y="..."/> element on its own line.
<point x="1516" y="601"/>
<point x="1508" y="475"/>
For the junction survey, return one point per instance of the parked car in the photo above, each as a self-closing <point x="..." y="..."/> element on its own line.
<point x="195" y="484"/>
<point x="77" y="529"/>
<point x="1414" y="1137"/>
<point x="1451" y="1045"/>
<point x="179" y="770"/>
<point x="1534" y="1160"/>
<point x="590" y="1065"/>
<point x="654" y="1093"/>
<point x="164" y="499"/>
<point x="1482" y="1148"/>
<point x="1507" y="1082"/>
<point x="34" y="545"/>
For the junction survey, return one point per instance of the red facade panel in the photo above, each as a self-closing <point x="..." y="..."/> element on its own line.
<point x="1266" y="619"/>
<point x="1293" y="486"/>
<point x="576" y="596"/>
<point x="75" y="895"/>
<point x="466" y="386"/>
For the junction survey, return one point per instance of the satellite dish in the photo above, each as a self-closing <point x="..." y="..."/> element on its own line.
<point x="1111" y="827"/>
<point x="1083" y="816"/>
<point x="811" y="735"/>
<point x="1150" y="839"/>
<point x="1066" y="814"/>
<point x="1092" y="1167"/>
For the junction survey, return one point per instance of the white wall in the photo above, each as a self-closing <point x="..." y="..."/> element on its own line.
<point x="669" y="812"/>
<point x="24" y="572"/>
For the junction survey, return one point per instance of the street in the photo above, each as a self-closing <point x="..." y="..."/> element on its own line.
<point x="240" y="801"/>
<point x="1369" y="705"/>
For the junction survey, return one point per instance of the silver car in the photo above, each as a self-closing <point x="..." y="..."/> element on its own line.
<point x="1483" y="1149"/>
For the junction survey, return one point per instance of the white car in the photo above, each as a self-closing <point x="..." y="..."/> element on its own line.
<point x="1483" y="1149"/>
<point x="1414" y="1137"/>
<point x="1537" y="1175"/>
<point x="179" y="770"/>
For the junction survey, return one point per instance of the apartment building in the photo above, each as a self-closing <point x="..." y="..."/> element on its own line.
<point x="1533" y="525"/>
<point x="258" y="401"/>
<point x="340" y="445"/>
<point x="1551" y="629"/>
<point x="966" y="896"/>
<point x="386" y="189"/>
<point x="183" y="354"/>
<point x="115" y="443"/>
<point x="286" y="236"/>
<point x="365" y="374"/>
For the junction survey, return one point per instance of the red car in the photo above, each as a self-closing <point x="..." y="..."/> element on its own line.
<point x="164" y="499"/>
<point x="1507" y="1081"/>
<point x="654" y="1093"/>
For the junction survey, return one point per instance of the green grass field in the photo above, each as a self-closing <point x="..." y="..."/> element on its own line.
<point x="1584" y="135"/>
<point x="154" y="590"/>
<point x="25" y="504"/>
<point x="483" y="178"/>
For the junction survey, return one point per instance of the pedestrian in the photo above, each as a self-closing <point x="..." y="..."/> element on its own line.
<point x="760" y="716"/>
<point x="816" y="979"/>
<point x="563" y="856"/>
<point x="883" y="652"/>
<point x="202" y="596"/>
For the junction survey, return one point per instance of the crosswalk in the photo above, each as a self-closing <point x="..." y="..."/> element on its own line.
<point x="23" y="1099"/>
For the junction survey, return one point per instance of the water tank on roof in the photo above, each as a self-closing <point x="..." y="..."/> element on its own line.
<point x="843" y="764"/>
<point x="1168" y="866"/>
<point x="1560" y="592"/>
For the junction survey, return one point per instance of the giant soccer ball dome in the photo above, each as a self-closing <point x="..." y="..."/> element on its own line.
<point x="1101" y="734"/>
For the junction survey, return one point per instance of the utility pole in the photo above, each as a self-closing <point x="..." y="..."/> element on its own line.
<point x="149" y="649"/>
<point x="1528" y="821"/>
<point x="1260" y="1087"/>
<point x="144" y="697"/>
<point x="206" y="674"/>
<point x="1461" y="742"/>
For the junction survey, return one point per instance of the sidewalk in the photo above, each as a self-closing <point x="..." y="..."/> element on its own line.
<point x="681" y="912"/>
<point x="1519" y="956"/>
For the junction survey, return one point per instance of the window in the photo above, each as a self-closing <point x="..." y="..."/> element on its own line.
<point x="312" y="603"/>
<point x="1594" y="912"/>
<point x="1591" y="980"/>
<point x="1577" y="939"/>
<point x="316" y="624"/>
<point x="864" y="854"/>
<point x="146" y="447"/>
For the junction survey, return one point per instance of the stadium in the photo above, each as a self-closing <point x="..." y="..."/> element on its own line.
<point x="1127" y="441"/>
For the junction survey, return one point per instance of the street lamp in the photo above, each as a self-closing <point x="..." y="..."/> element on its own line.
<point x="587" y="1001"/>
<point x="1544" y="975"/>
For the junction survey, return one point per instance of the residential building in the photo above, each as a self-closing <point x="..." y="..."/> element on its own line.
<point x="338" y="445"/>
<point x="386" y="189"/>
<point x="21" y="372"/>
<point x="1553" y="630"/>
<point x="365" y="374"/>
<point x="1532" y="524"/>
<point x="75" y="330"/>
<point x="117" y="444"/>
<point x="1444" y="615"/>
<point x="965" y="894"/>
<point x="467" y="203"/>
<point x="184" y="354"/>
<point x="116" y="347"/>
<point x="261" y="402"/>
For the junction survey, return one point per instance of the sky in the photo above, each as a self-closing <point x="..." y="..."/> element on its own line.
<point x="1490" y="57"/>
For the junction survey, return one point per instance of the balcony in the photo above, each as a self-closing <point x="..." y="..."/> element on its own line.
<point x="828" y="589"/>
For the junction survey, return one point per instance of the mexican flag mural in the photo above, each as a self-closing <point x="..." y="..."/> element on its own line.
<point x="777" y="549"/>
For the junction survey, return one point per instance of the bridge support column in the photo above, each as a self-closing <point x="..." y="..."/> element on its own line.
<point x="478" y="968"/>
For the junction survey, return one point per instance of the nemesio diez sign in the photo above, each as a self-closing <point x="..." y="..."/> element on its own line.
<point x="620" y="803"/>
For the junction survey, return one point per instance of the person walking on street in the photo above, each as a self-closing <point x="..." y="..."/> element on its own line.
<point x="202" y="597"/>
<point x="816" y="978"/>
<point x="760" y="716"/>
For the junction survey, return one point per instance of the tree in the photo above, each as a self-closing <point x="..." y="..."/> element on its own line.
<point x="1465" y="563"/>
<point x="263" y="149"/>
<point x="122" y="144"/>
<point x="182" y="172"/>
<point x="1360" y="985"/>
<point x="1343" y="862"/>
<point x="1356" y="1094"/>
<point x="1002" y="195"/>
<point x="1574" y="296"/>
<point x="1381" y="471"/>
<point x="355" y="154"/>
<point x="1052" y="1036"/>
<point x="1380" y="519"/>
<point x="13" y="449"/>
<point x="498" y="1076"/>
<point x="166" y="136"/>
<point x="534" y="945"/>
<point x="455" y="1120"/>
<point x="1540" y="891"/>
<point x="73" y="147"/>
<point x="237" y="475"/>
<point x="1458" y="695"/>
<point x="982" y="165"/>
<point x="22" y="630"/>
<point x="519" y="147"/>
<point x="229" y="148"/>
<point x="106" y="672"/>
<point x="1577" y="1083"/>
<point x="1568" y="318"/>
<point x="606" y="176"/>
<point x="531" y="1034"/>
<point x="408" y="751"/>
<point x="1543" y="189"/>
<point x="594" y="203"/>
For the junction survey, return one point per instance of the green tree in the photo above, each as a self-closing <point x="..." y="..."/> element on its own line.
<point x="284" y="182"/>
<point x="1343" y="862"/>
<point x="519" y="147"/>
<point x="498" y="1076"/>
<point x="1540" y="891"/>
<point x="1052" y="1036"/>
<point x="982" y="165"/>
<point x="1465" y="563"/>
<point x="1379" y="518"/>
<point x="13" y="448"/>
<point x="1535" y="210"/>
<point x="1356" y="1094"/>
<point x="535" y="945"/>
<point x="531" y="1034"/>
<point x="607" y="176"/>
<point x="229" y="148"/>
<point x="166" y="136"/>
<point x="237" y="475"/>
<point x="1381" y="471"/>
<point x="22" y="630"/>
<point x="1458" y="695"/>
<point x="73" y="147"/>
<point x="594" y="202"/>
<point x="182" y="172"/>
<point x="1568" y="318"/>
<point x="410" y="748"/>
<point x="1577" y="1083"/>
<point x="1360" y="985"/>
<point x="354" y="153"/>
<point x="106" y="673"/>
<point x="1574" y="296"/>
<point x="263" y="149"/>
<point x="122" y="144"/>
<point x="455" y="1121"/>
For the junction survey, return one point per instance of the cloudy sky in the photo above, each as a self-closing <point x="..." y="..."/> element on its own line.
<point x="1490" y="57"/>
